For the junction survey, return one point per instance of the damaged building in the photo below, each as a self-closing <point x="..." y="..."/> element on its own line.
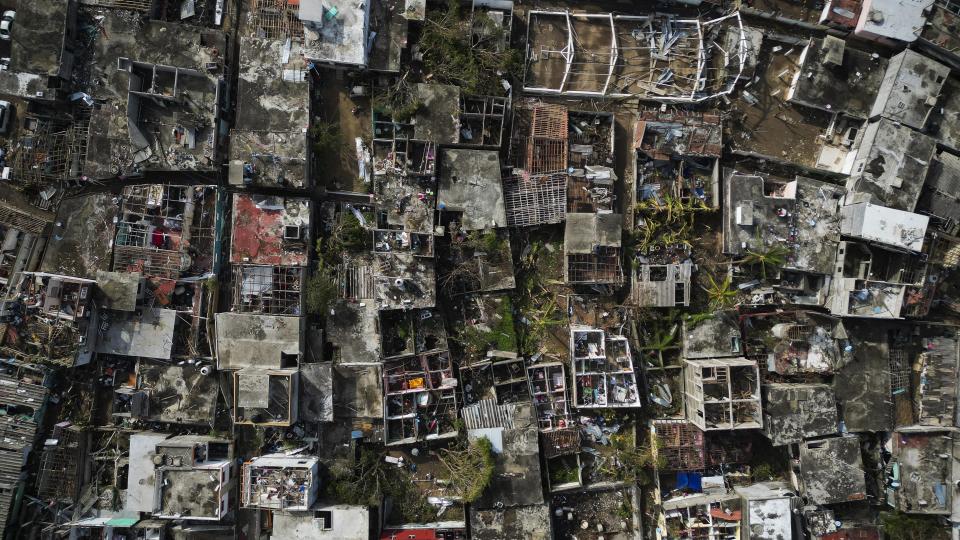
<point x="921" y="471"/>
<point x="831" y="470"/>
<point x="280" y="482"/>
<point x="592" y="248"/>
<point x="419" y="399"/>
<point x="794" y="412"/>
<point x="882" y="278"/>
<point x="722" y="393"/>
<point x="262" y="353"/>
<point x="603" y="372"/>
<point x="889" y="162"/>
<point x="658" y="57"/>
<point x="183" y="476"/>
<point x="678" y="156"/>
<point x="161" y="93"/>
<point x="800" y="215"/>
<point x="268" y="142"/>
<point x="535" y="191"/>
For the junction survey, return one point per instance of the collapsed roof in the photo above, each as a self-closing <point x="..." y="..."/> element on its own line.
<point x="658" y="57"/>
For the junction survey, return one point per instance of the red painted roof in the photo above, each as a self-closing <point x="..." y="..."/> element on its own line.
<point x="258" y="235"/>
<point x="860" y="533"/>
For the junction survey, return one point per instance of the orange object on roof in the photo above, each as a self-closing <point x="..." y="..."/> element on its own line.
<point x="293" y="2"/>
<point x="717" y="513"/>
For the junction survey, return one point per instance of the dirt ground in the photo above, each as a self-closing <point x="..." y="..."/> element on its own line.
<point x="762" y="127"/>
<point x="334" y="105"/>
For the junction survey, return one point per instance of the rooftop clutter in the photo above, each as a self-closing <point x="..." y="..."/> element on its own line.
<point x="478" y="269"/>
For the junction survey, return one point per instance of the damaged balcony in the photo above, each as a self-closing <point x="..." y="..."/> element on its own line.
<point x="265" y="397"/>
<point x="603" y="373"/>
<point x="482" y="120"/>
<point x="402" y="281"/>
<point x="703" y="516"/>
<point x="723" y="393"/>
<point x="280" y="482"/>
<point x="397" y="241"/>
<point x="405" y="333"/>
<point x="501" y="376"/>
<point x="420" y="399"/>
<point x="168" y="231"/>
<point x="548" y="387"/>
<point x="794" y="342"/>
<point x="592" y="249"/>
<point x="50" y="150"/>
<point x="397" y="153"/>
<point x="172" y="115"/>
<point x="678" y="155"/>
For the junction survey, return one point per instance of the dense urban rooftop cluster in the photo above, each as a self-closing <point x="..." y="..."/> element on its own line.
<point x="479" y="269"/>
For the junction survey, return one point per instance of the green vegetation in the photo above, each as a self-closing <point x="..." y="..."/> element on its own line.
<point x="663" y="339"/>
<point x="348" y="235"/>
<point x="769" y="463"/>
<point x="763" y="472"/>
<point x="774" y="256"/>
<point x="353" y="236"/>
<point x="470" y="468"/>
<point x="534" y="298"/>
<point x="562" y="472"/>
<point x="465" y="272"/>
<point x="899" y="526"/>
<point x="501" y="336"/>
<point x="450" y="57"/>
<point x="635" y="464"/>
<point x="656" y="330"/>
<point x="625" y="510"/>
<point x="397" y="103"/>
<point x="490" y="243"/>
<point x="320" y="289"/>
<point x="666" y="222"/>
<point x="371" y="479"/>
<point x="327" y="140"/>
<point x="694" y="319"/>
<point x="537" y="321"/>
<point x="721" y="294"/>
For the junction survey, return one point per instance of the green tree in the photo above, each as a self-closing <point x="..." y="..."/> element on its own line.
<point x="900" y="526"/>
<point x="326" y="140"/>
<point x="721" y="294"/>
<point x="470" y="467"/>
<point x="321" y="290"/>
<point x="774" y="256"/>
<point x="451" y="58"/>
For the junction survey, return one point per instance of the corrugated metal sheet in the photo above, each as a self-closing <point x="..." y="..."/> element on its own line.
<point x="487" y="414"/>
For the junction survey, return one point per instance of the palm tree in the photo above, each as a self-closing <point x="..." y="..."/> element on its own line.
<point x="721" y="294"/>
<point x="774" y="256"/>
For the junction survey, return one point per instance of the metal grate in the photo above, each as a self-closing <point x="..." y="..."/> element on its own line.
<point x="549" y="121"/>
<point x="133" y="5"/>
<point x="149" y="261"/>
<point x="535" y="200"/>
<point x="267" y="289"/>
<point x="899" y="372"/>
<point x="547" y="145"/>
<point x="275" y="19"/>
<point x="602" y="266"/>
<point x="681" y="445"/>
